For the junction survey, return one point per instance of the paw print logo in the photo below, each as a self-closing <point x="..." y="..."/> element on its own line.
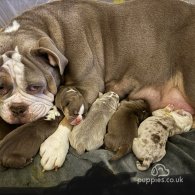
<point x="160" y="170"/>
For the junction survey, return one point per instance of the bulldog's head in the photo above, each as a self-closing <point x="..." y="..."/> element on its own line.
<point x="28" y="83"/>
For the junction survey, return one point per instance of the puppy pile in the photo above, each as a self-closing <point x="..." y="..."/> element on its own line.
<point x="89" y="134"/>
<point x="54" y="149"/>
<point x="149" y="146"/>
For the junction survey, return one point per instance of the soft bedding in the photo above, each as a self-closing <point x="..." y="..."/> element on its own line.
<point x="179" y="160"/>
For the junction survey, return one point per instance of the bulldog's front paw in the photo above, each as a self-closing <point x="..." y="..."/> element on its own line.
<point x="53" y="152"/>
<point x="54" y="149"/>
<point x="72" y="103"/>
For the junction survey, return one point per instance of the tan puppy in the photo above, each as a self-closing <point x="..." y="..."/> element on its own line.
<point x="122" y="127"/>
<point x="93" y="128"/>
<point x="153" y="133"/>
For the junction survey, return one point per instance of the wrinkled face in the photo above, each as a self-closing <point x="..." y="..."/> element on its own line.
<point x="24" y="94"/>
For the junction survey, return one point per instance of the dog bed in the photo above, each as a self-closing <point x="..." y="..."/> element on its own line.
<point x="179" y="160"/>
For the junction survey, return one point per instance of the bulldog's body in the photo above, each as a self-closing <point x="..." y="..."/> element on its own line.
<point x="143" y="49"/>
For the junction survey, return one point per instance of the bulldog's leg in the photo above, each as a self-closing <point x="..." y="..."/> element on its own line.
<point x="123" y="126"/>
<point x="54" y="149"/>
<point x="19" y="147"/>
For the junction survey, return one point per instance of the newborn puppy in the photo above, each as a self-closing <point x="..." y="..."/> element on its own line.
<point x="93" y="128"/>
<point x="73" y="105"/>
<point x="122" y="127"/>
<point x="153" y="133"/>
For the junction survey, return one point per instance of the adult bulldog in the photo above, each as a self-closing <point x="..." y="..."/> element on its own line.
<point x="144" y="49"/>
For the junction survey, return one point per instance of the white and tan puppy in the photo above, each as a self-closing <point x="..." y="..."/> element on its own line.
<point x="93" y="128"/>
<point x="153" y="133"/>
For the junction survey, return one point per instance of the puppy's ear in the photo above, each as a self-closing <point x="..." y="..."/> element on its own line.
<point x="100" y="94"/>
<point x="5" y="43"/>
<point x="55" y="57"/>
<point x="1" y="61"/>
<point x="4" y="58"/>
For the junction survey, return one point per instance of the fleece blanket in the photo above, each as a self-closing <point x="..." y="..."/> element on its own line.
<point x="179" y="160"/>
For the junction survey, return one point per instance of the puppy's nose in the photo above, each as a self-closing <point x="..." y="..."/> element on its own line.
<point x="18" y="109"/>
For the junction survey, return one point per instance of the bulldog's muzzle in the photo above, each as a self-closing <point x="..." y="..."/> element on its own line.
<point x="18" y="109"/>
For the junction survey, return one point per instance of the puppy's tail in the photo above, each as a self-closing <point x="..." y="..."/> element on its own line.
<point x="121" y="152"/>
<point x="144" y="166"/>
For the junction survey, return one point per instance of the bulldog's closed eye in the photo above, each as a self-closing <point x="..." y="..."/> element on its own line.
<point x="4" y="89"/>
<point x="35" y="89"/>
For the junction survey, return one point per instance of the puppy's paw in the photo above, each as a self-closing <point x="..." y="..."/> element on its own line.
<point x="119" y="146"/>
<point x="53" y="151"/>
<point x="84" y="139"/>
<point x="78" y="141"/>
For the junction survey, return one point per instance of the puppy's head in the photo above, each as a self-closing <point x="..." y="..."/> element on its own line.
<point x="28" y="82"/>
<point x="109" y="100"/>
<point x="183" y="119"/>
<point x="72" y="103"/>
<point x="164" y="111"/>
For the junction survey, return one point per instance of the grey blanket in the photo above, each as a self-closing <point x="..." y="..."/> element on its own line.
<point x="179" y="160"/>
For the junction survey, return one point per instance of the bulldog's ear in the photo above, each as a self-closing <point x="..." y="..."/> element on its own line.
<point x="55" y="57"/>
<point x="3" y="59"/>
<point x="5" y="43"/>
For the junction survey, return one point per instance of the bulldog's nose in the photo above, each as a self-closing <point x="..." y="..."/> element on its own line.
<point x="18" y="109"/>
